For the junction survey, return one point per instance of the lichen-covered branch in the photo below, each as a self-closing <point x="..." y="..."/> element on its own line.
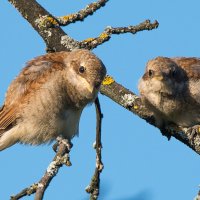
<point x="93" y="187"/>
<point x="61" y="158"/>
<point x="45" y="25"/>
<point x="25" y="192"/>
<point x="133" y="103"/>
<point x="92" y="43"/>
<point x="56" y="39"/>
<point x="82" y="14"/>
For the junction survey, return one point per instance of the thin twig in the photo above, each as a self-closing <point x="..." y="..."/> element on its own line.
<point x="25" y="192"/>
<point x="92" y="43"/>
<point x="82" y="14"/>
<point x="94" y="187"/>
<point x="61" y="158"/>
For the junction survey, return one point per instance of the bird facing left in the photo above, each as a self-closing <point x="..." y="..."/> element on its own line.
<point x="47" y="98"/>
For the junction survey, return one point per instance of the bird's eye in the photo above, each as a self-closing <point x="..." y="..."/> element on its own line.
<point x="81" y="69"/>
<point x="151" y="72"/>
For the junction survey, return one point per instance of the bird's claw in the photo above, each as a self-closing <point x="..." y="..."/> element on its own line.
<point x="165" y="132"/>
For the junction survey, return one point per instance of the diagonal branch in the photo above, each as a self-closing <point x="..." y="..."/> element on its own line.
<point x="45" y="24"/>
<point x="133" y="103"/>
<point x="105" y="36"/>
<point x="61" y="158"/>
<point x="82" y="14"/>
<point x="25" y="192"/>
<point x="94" y="187"/>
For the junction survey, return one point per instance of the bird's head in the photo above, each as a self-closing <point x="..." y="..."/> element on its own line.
<point x="162" y="76"/>
<point x="84" y="74"/>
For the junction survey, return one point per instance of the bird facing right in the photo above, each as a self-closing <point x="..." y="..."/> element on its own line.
<point x="170" y="88"/>
<point x="47" y="98"/>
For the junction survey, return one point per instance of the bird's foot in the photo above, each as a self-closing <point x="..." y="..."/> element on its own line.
<point x="166" y="132"/>
<point x="60" y="139"/>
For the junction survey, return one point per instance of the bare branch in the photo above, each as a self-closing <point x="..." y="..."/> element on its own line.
<point x="61" y="158"/>
<point x="25" y="192"/>
<point x="92" y="43"/>
<point x="82" y="14"/>
<point x="94" y="187"/>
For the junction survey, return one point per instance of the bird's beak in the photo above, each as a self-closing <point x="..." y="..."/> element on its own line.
<point x="90" y="88"/>
<point x="159" y="77"/>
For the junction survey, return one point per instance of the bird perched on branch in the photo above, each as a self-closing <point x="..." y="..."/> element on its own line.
<point x="170" y="88"/>
<point x="46" y="99"/>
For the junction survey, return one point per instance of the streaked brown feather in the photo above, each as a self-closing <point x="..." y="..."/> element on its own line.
<point x="190" y="65"/>
<point x="34" y="75"/>
<point x="29" y="80"/>
<point x="7" y="117"/>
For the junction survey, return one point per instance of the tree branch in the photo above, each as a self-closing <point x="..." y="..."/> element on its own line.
<point x="46" y="25"/>
<point x="105" y="36"/>
<point x="61" y="158"/>
<point x="82" y="14"/>
<point x="133" y="103"/>
<point x="94" y="187"/>
<point x="25" y="192"/>
<point x="56" y="39"/>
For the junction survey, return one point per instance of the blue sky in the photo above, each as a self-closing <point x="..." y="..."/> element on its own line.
<point x="140" y="164"/>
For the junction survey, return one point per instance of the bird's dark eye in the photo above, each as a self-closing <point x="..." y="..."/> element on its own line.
<point x="151" y="72"/>
<point x="81" y="69"/>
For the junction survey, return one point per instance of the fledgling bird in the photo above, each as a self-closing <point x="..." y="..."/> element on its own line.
<point x="47" y="98"/>
<point x="170" y="88"/>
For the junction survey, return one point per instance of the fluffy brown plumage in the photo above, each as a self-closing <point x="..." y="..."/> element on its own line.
<point x="46" y="99"/>
<point x="170" y="88"/>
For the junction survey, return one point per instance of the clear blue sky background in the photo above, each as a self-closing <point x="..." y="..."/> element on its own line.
<point x="140" y="164"/>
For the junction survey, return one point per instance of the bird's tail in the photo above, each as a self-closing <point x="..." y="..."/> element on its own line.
<point x="8" y="138"/>
<point x="9" y="133"/>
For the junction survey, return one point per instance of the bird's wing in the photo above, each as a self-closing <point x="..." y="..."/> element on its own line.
<point x="192" y="68"/>
<point x="35" y="73"/>
<point x="190" y="65"/>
